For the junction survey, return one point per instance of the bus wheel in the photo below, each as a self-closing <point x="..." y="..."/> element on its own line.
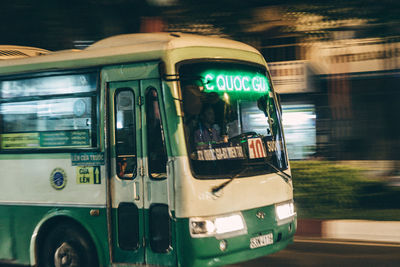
<point x="67" y="245"/>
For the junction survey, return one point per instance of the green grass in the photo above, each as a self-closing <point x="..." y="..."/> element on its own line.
<point x="326" y="190"/>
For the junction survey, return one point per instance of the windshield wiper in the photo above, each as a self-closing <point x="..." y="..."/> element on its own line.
<point x="283" y="174"/>
<point x="218" y="188"/>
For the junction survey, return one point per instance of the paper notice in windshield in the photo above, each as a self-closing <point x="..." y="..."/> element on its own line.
<point x="233" y="152"/>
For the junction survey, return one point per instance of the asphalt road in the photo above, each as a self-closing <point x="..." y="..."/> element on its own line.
<point x="313" y="252"/>
<point x="316" y="252"/>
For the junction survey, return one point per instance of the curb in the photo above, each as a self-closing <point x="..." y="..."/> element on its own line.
<point x="361" y="230"/>
<point x="309" y="228"/>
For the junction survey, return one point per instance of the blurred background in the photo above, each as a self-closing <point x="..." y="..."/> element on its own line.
<point x="336" y="65"/>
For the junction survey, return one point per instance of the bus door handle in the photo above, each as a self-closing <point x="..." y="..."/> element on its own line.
<point x="170" y="166"/>
<point x="136" y="191"/>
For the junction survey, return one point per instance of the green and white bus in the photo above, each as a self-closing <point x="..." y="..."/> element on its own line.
<point x="145" y="149"/>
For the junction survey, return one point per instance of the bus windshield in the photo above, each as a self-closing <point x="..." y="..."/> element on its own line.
<point x="232" y="124"/>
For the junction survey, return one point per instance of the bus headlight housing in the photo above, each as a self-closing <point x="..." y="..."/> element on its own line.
<point x="284" y="212"/>
<point x="219" y="226"/>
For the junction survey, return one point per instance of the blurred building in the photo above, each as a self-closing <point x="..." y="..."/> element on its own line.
<point x="339" y="90"/>
<point x="360" y="79"/>
<point x="294" y="81"/>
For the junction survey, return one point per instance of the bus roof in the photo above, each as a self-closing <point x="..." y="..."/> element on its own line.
<point x="117" y="49"/>
<point x="8" y="52"/>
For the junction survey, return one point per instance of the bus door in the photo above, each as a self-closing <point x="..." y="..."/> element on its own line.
<point x="141" y="226"/>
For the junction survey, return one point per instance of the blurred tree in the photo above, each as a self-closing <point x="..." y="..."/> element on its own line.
<point x="55" y="24"/>
<point x="234" y="17"/>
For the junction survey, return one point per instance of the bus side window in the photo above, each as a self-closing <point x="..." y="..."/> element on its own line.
<point x="156" y="150"/>
<point x="125" y="132"/>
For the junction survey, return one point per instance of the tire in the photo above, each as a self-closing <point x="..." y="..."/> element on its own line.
<point x="67" y="245"/>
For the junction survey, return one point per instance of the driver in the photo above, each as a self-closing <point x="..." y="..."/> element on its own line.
<point x="207" y="132"/>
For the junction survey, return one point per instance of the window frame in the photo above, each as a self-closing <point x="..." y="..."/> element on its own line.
<point x="94" y="134"/>
<point x="162" y="130"/>
<point x="226" y="61"/>
<point x="117" y="91"/>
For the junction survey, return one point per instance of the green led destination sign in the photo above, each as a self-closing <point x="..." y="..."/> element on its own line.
<point x="219" y="81"/>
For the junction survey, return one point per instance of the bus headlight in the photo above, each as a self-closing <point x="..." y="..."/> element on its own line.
<point x="221" y="226"/>
<point x="284" y="211"/>
<point x="201" y="227"/>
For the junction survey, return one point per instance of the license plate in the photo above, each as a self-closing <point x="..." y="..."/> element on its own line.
<point x="261" y="241"/>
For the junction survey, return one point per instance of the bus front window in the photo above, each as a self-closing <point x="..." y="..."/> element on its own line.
<point x="232" y="124"/>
